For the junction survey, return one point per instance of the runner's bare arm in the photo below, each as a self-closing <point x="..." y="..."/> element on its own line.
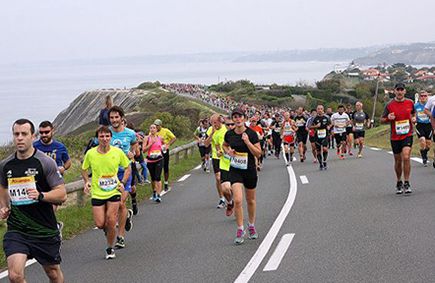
<point x="4" y="203"/>
<point x="57" y="195"/>
<point x="127" y="173"/>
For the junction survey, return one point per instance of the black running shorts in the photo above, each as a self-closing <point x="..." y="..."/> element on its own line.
<point x="46" y="250"/>
<point x="397" y="146"/>
<point x="424" y="130"/>
<point x="248" y="178"/>
<point x="100" y="202"/>
<point x="359" y="134"/>
<point x="225" y="176"/>
<point x="340" y="138"/>
<point x="215" y="163"/>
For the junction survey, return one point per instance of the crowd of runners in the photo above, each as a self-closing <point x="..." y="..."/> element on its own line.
<point x="234" y="146"/>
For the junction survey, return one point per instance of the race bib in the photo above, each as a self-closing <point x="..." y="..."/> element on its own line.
<point x="321" y="133"/>
<point x="108" y="183"/>
<point x="402" y="127"/>
<point x="288" y="131"/>
<point x="155" y="154"/>
<point x="359" y="126"/>
<point x="240" y="160"/>
<point x="422" y="116"/>
<point x="277" y="130"/>
<point x="18" y="187"/>
<point x="300" y="123"/>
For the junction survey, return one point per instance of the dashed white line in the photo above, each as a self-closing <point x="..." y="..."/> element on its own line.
<point x="279" y="253"/>
<point x="304" y="179"/>
<point x="417" y="159"/>
<point x="6" y="273"/>
<point x="390" y="152"/>
<point x="375" y="148"/>
<point x="197" y="167"/>
<point x="264" y="247"/>
<point x="184" y="178"/>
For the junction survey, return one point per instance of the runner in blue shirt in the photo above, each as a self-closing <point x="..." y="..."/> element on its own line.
<point x="423" y="127"/>
<point x="126" y="140"/>
<point x="54" y="149"/>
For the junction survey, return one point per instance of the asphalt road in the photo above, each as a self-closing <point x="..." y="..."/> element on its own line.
<point x="348" y="226"/>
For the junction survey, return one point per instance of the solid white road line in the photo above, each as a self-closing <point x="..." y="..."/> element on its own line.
<point x="197" y="167"/>
<point x="184" y="178"/>
<point x="304" y="179"/>
<point x="417" y="159"/>
<point x="375" y="148"/>
<point x="6" y="273"/>
<point x="264" y="247"/>
<point x="279" y="252"/>
<point x="390" y="152"/>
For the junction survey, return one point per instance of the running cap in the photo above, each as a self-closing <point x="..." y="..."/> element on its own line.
<point x="399" y="85"/>
<point x="157" y="122"/>
<point x="238" y="111"/>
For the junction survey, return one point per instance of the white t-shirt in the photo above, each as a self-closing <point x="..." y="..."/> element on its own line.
<point x="430" y="104"/>
<point x="340" y="122"/>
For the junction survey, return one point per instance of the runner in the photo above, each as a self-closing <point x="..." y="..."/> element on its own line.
<point x="329" y="113"/>
<point x="200" y="135"/>
<point x="168" y="139"/>
<point x="256" y="126"/>
<point x="125" y="139"/>
<point x="276" y="134"/>
<point x="301" y="133"/>
<point x="340" y="121"/>
<point x="224" y="166"/>
<point x="54" y="149"/>
<point x="214" y="134"/>
<point x="312" y="134"/>
<point x="242" y="145"/>
<point x="30" y="183"/>
<point x="423" y="127"/>
<point x="288" y="132"/>
<point x="153" y="148"/>
<point x="429" y="109"/>
<point x="321" y="124"/>
<point x="269" y="142"/>
<point x="349" y="132"/>
<point x="360" y="120"/>
<point x="400" y="114"/>
<point x="105" y="188"/>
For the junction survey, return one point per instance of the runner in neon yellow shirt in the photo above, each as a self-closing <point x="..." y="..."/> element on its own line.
<point x="215" y="133"/>
<point x="105" y="189"/>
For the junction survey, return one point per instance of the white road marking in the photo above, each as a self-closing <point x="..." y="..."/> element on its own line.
<point x="304" y="179"/>
<point x="6" y="273"/>
<point x="375" y="148"/>
<point x="390" y="152"/>
<point x="197" y="167"/>
<point x="184" y="178"/>
<point x="417" y="159"/>
<point x="279" y="252"/>
<point x="264" y="247"/>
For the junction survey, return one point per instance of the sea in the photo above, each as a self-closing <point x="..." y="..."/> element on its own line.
<point x="40" y="90"/>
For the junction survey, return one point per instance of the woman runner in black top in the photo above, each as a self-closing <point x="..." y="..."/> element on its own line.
<point x="242" y="145"/>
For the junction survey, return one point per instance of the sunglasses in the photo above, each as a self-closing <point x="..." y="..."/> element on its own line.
<point x="423" y="95"/>
<point x="44" y="132"/>
<point x="230" y="124"/>
<point x="400" y="89"/>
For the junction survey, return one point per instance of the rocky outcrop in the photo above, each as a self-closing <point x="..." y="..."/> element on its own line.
<point x="86" y="107"/>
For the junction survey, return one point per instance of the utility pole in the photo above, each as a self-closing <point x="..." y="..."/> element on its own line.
<point x="375" y="101"/>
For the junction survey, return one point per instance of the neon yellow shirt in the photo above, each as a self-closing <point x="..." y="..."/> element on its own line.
<point x="104" y="171"/>
<point x="218" y="136"/>
<point x="225" y="160"/>
<point x="166" y="135"/>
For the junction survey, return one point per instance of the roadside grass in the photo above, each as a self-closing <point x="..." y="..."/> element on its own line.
<point x="380" y="137"/>
<point x="78" y="219"/>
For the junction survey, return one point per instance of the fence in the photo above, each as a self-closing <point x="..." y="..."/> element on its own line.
<point x="75" y="189"/>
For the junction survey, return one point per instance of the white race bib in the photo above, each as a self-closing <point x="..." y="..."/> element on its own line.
<point x="321" y="133"/>
<point x="359" y="126"/>
<point x="108" y="183"/>
<point x="402" y="127"/>
<point x="18" y="187"/>
<point x="240" y="160"/>
<point x="154" y="154"/>
<point x="422" y="116"/>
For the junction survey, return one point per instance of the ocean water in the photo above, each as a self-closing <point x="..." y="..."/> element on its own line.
<point x="39" y="91"/>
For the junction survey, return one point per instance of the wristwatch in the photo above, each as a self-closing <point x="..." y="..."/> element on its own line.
<point x="40" y="196"/>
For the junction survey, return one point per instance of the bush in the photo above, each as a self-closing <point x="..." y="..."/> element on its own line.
<point x="149" y="85"/>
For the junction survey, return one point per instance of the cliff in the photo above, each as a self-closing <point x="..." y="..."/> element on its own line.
<point x="86" y="107"/>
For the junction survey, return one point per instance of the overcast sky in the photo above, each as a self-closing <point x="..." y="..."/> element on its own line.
<point x="60" y="29"/>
